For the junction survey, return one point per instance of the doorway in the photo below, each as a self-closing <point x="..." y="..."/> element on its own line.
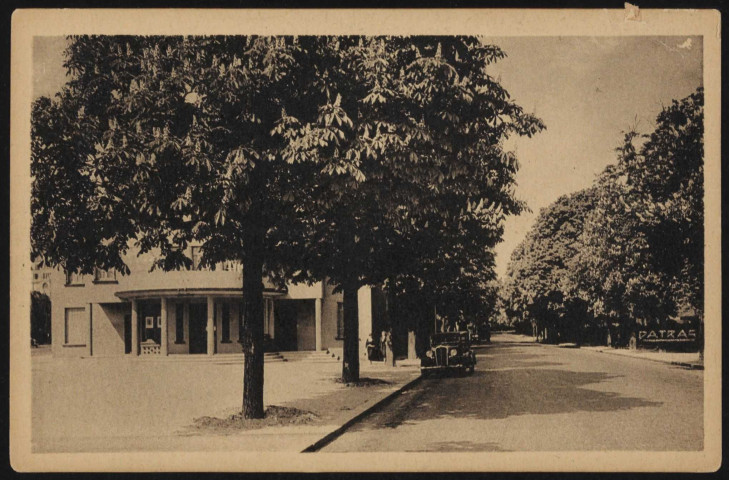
<point x="127" y="334"/>
<point x="197" y="326"/>
<point x="295" y="325"/>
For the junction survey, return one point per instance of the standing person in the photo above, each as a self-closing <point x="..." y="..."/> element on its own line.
<point x="383" y="345"/>
<point x="370" y="347"/>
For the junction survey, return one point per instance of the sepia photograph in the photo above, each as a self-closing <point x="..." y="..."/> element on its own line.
<point x="412" y="241"/>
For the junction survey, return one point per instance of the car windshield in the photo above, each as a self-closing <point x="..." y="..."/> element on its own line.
<point x="450" y="338"/>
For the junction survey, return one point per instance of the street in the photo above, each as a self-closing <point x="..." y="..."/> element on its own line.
<point x="531" y="397"/>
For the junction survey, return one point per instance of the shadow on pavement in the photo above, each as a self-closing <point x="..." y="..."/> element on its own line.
<point x="488" y="395"/>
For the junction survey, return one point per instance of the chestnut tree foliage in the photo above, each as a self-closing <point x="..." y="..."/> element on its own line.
<point x="539" y="285"/>
<point x="637" y="254"/>
<point x="420" y="183"/>
<point x="347" y="159"/>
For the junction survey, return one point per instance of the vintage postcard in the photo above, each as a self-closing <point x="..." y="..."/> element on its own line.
<point x="365" y="240"/>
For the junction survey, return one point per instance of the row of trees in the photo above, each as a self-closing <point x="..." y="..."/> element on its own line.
<point x="359" y="160"/>
<point x="628" y="249"/>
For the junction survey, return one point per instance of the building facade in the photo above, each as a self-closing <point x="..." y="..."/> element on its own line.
<point x="196" y="311"/>
<point x="41" y="278"/>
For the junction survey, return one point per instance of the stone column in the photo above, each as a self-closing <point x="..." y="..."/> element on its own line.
<point x="317" y="323"/>
<point x="273" y="319"/>
<point x="163" y="326"/>
<point x="135" y="327"/>
<point x="211" y="325"/>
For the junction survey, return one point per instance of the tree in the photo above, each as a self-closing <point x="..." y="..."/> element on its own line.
<point x="40" y="317"/>
<point x="539" y="285"/>
<point x="627" y="250"/>
<point x="157" y="142"/>
<point x="643" y="245"/>
<point x="412" y="133"/>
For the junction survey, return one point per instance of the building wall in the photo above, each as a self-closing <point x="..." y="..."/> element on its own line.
<point x="233" y="346"/>
<point x="107" y="337"/>
<point x="305" y="326"/>
<point x="329" y="318"/>
<point x="107" y="310"/>
<point x="298" y="291"/>
<point x="329" y="339"/>
<point x="58" y="331"/>
<point x="364" y="298"/>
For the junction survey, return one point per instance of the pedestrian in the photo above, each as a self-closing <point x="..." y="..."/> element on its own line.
<point x="370" y="347"/>
<point x="383" y="345"/>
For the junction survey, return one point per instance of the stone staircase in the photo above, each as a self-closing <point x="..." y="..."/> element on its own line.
<point x="237" y="358"/>
<point x="311" y="356"/>
<point x="218" y="359"/>
<point x="272" y="357"/>
<point x="324" y="356"/>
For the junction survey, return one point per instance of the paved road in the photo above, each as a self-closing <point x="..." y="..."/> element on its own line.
<point x="529" y="397"/>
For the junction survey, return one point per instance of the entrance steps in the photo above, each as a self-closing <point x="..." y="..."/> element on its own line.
<point x="310" y="356"/>
<point x="218" y="359"/>
<point x="270" y="357"/>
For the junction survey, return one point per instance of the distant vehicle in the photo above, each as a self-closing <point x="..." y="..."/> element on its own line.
<point x="449" y="351"/>
<point x="484" y="332"/>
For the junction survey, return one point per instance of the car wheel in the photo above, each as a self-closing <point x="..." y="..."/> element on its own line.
<point x="471" y="369"/>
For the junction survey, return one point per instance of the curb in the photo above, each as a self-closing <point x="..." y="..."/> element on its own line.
<point x="691" y="366"/>
<point x="333" y="435"/>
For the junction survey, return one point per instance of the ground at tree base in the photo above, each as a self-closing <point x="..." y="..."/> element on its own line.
<point x="112" y="404"/>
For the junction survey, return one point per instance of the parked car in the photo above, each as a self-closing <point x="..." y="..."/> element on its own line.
<point x="449" y="351"/>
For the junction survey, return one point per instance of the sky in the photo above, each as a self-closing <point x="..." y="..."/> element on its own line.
<point x="587" y="90"/>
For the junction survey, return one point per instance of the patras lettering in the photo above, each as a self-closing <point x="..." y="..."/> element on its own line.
<point x="673" y="335"/>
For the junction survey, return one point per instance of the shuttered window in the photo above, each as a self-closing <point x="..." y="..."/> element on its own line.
<point x="76" y="326"/>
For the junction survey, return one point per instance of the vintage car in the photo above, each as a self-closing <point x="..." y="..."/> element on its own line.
<point x="449" y="351"/>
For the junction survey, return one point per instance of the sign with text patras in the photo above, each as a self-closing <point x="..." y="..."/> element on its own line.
<point x="682" y="331"/>
<point x="660" y="335"/>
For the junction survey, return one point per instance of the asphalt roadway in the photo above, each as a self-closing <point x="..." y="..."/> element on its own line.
<point x="530" y="397"/>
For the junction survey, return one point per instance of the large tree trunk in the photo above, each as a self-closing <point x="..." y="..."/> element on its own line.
<point x="412" y="355"/>
<point x="350" y="355"/>
<point x="391" y="307"/>
<point x="253" y="337"/>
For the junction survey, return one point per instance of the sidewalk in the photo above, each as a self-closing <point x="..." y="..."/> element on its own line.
<point x="688" y="360"/>
<point x="95" y="405"/>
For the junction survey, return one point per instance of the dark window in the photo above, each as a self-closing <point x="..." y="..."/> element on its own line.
<point x="225" y="334"/>
<point x="340" y="320"/>
<point x="76" y="326"/>
<point x="180" y="323"/>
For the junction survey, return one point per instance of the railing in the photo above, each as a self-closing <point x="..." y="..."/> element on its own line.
<point x="149" y="347"/>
